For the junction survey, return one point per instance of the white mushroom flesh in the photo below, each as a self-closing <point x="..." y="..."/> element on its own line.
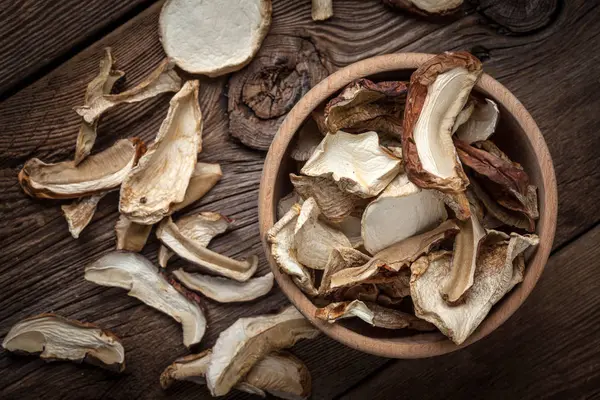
<point x="482" y="123"/>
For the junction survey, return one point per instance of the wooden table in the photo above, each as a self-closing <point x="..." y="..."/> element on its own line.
<point x="545" y="51"/>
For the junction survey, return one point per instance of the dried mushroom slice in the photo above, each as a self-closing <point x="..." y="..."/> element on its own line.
<point x="482" y="122"/>
<point x="494" y="277"/>
<point x="322" y="10"/>
<point x="340" y="259"/>
<point x="286" y="202"/>
<point x="496" y="211"/>
<point x="130" y="235"/>
<point x="99" y="86"/>
<point x="307" y="141"/>
<point x="402" y="210"/>
<point x="133" y="272"/>
<point x="226" y="290"/>
<point x="350" y="226"/>
<point x="248" y="340"/>
<point x="162" y="176"/>
<point x="204" y="178"/>
<point x="58" y="338"/>
<point x="426" y="7"/>
<point x="364" y="292"/>
<point x="464" y="115"/>
<point x="200" y="228"/>
<point x="314" y="240"/>
<point x="163" y="79"/>
<point x="438" y="91"/>
<point x="79" y="213"/>
<point x="283" y="250"/>
<point x="96" y="174"/>
<point x="397" y="288"/>
<point x="355" y="162"/>
<point x="191" y="250"/>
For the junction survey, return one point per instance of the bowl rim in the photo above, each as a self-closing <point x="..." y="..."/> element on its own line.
<point x="419" y="345"/>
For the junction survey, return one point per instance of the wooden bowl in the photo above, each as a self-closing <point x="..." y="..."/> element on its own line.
<point x="517" y="134"/>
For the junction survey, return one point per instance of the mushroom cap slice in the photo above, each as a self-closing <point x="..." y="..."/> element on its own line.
<point x="79" y="213"/>
<point x="438" y="91"/>
<point x="402" y="210"/>
<point x="240" y="346"/>
<point x="188" y="248"/>
<point x="162" y="176"/>
<point x="59" y="338"/>
<point x="355" y="162"/>
<point x="213" y="38"/>
<point x="96" y="174"/>
<point x="482" y="122"/>
<point x="141" y="278"/>
<point x="130" y="235"/>
<point x="426" y="7"/>
<point x="226" y="290"/>
<point x="340" y="259"/>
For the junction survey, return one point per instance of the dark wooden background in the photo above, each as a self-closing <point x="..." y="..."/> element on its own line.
<point x="546" y="51"/>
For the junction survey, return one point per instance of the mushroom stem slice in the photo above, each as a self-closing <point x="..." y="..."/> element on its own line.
<point x="79" y="213"/>
<point x="481" y="124"/>
<point x="226" y="290"/>
<point x="438" y="91"/>
<point x="193" y="251"/>
<point x="322" y="10"/>
<point x="96" y="174"/>
<point x="58" y="338"/>
<point x="248" y="340"/>
<point x="141" y="278"/>
<point x="204" y="178"/>
<point x="130" y="235"/>
<point x="163" y="79"/>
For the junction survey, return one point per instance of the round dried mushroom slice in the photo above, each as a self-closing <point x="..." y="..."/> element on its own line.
<point x="438" y="91"/>
<point x="58" y="338"/>
<point x="213" y="38"/>
<point x="426" y="7"/>
<point x="133" y="272"/>
<point x="481" y="124"/>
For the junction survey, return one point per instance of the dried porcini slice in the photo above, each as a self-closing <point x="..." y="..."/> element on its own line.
<point x="162" y="176"/>
<point x="401" y="211"/>
<point x="482" y="122"/>
<point x="496" y="211"/>
<point x="79" y="213"/>
<point x="340" y="259"/>
<point x="464" y="115"/>
<point x="225" y="290"/>
<point x="133" y="272"/>
<point x="306" y="141"/>
<point x="350" y="226"/>
<point x="96" y="174"/>
<point x="248" y="340"/>
<point x="321" y="10"/>
<point x="438" y="91"/>
<point x="364" y="292"/>
<point x="314" y="240"/>
<point x="162" y="80"/>
<point x="191" y="250"/>
<point x="286" y="202"/>
<point x="57" y="338"/>
<point x="204" y="178"/>
<point x="397" y="288"/>
<point x="426" y="7"/>
<point x="130" y="235"/>
<point x="283" y="250"/>
<point x="355" y="162"/>
<point x="495" y="276"/>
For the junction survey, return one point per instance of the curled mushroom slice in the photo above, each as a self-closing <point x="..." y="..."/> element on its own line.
<point x="248" y="340"/>
<point x="438" y="91"/>
<point x="133" y="272"/>
<point x="355" y="162"/>
<point x="131" y="236"/>
<point x="204" y="178"/>
<point x="283" y="250"/>
<point x="402" y="210"/>
<point x="426" y="7"/>
<point x="464" y="115"/>
<point x="162" y="176"/>
<point x="193" y="251"/>
<point x="96" y="174"/>
<point x="79" y="213"/>
<point x="314" y="240"/>
<point x="322" y="10"/>
<point x="226" y="290"/>
<point x="340" y="259"/>
<point x="495" y="276"/>
<point x="286" y="202"/>
<point x="163" y="79"/>
<point x="58" y="338"/>
<point x="482" y="122"/>
<point x="496" y="211"/>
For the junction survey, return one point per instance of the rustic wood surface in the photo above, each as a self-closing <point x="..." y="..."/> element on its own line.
<point x="545" y="54"/>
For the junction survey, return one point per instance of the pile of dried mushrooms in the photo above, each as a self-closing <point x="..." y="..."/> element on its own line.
<point x="405" y="214"/>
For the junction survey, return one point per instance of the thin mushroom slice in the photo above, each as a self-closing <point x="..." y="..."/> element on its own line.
<point x="286" y="202"/>
<point x="162" y="176"/>
<point x="438" y="91"/>
<point x="203" y="179"/>
<point x="397" y="288"/>
<point x="96" y="174"/>
<point x="340" y="259"/>
<point x="322" y="10"/>
<point x="426" y="7"/>
<point x="163" y="79"/>
<point x="226" y="290"/>
<point x="402" y="210"/>
<point x="364" y="292"/>
<point x="130" y="235"/>
<point x="200" y="228"/>
<point x="350" y="226"/>
<point x="307" y="141"/>
<point x="495" y="276"/>
<point x="482" y="122"/>
<point x="283" y="251"/>
<point x="496" y="211"/>
<point x="79" y="213"/>
<point x="248" y="340"/>
<point x="314" y="240"/>
<point x="355" y="162"/>
<point x="58" y="338"/>
<point x="193" y="251"/>
<point x="464" y="115"/>
<point x="133" y="272"/>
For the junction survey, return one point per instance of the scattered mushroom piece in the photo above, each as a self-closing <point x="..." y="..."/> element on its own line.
<point x="340" y="259"/>
<point x="286" y="202"/>
<point x="162" y="80"/>
<point x="204" y="178"/>
<point x="401" y="211"/>
<point x="438" y="91"/>
<point x="193" y="251"/>
<point x="96" y="174"/>
<point x="481" y="124"/>
<point x="226" y="290"/>
<point x="79" y="213"/>
<point x="133" y="272"/>
<point x="355" y="162"/>
<point x="307" y="140"/>
<point x="322" y="10"/>
<point x="426" y="7"/>
<point x="130" y="235"/>
<point x="58" y="338"/>
<point x="248" y="340"/>
<point x="162" y="176"/>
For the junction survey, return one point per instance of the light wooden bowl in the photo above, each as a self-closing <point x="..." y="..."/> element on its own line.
<point x="517" y="134"/>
